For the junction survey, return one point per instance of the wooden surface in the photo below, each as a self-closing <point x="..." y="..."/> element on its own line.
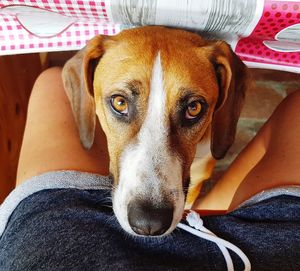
<point x="17" y="76"/>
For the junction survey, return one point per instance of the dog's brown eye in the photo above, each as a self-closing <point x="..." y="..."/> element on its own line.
<point x="193" y="110"/>
<point x="119" y="104"/>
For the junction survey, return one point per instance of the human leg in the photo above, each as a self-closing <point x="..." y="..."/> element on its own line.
<point x="51" y="140"/>
<point x="281" y="162"/>
<point x="269" y="160"/>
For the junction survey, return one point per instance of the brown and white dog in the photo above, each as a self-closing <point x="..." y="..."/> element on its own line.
<point x="158" y="93"/>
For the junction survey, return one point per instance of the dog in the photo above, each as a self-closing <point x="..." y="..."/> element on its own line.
<point x="159" y="94"/>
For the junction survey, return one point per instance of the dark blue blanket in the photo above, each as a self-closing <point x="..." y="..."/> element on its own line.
<point x="69" y="229"/>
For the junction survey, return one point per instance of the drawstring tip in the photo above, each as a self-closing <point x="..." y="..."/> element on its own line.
<point x="197" y="228"/>
<point x="194" y="220"/>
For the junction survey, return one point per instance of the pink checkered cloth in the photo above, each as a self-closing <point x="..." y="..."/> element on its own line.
<point x="23" y="28"/>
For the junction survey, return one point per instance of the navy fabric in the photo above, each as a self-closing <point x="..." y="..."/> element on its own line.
<point x="70" y="229"/>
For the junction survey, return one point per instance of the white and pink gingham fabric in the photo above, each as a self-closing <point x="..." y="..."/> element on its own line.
<point x="88" y="18"/>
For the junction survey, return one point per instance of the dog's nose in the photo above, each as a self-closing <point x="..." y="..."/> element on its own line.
<point x="146" y="219"/>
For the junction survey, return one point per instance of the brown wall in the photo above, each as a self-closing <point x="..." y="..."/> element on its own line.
<point x="17" y="75"/>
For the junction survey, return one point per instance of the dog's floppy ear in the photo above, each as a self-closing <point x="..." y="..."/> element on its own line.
<point x="78" y="75"/>
<point x="232" y="76"/>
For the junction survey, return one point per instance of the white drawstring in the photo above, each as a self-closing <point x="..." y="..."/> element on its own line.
<point x="196" y="222"/>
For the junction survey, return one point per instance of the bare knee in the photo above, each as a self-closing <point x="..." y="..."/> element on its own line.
<point x="51" y="73"/>
<point x="288" y="110"/>
<point x="284" y="124"/>
<point x="291" y="104"/>
<point x="48" y="78"/>
<point x="47" y="86"/>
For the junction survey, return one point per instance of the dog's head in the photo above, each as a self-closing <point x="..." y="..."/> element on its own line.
<point x="157" y="92"/>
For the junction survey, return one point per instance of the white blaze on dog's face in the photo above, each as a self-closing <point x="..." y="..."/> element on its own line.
<point x="155" y="94"/>
<point x="150" y="172"/>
